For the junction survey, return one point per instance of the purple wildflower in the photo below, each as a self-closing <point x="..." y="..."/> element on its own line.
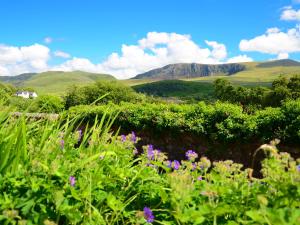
<point x="191" y="155"/>
<point x="298" y="168"/>
<point x="199" y="178"/>
<point x="133" y="137"/>
<point x="194" y="166"/>
<point x="169" y="163"/>
<point x="176" y="165"/>
<point x="72" y="181"/>
<point x="150" y="153"/>
<point x="123" y="138"/>
<point x="148" y="215"/>
<point x="62" y="143"/>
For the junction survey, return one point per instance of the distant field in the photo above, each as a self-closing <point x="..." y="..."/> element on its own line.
<point x="177" y="88"/>
<point x="255" y="75"/>
<point x="58" y="82"/>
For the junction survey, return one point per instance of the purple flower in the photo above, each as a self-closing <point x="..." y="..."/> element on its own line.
<point x="176" y="165"/>
<point x="194" y="166"/>
<point x="62" y="143"/>
<point x="72" y="181"/>
<point x="191" y="155"/>
<point x="150" y="153"/>
<point x="123" y="138"/>
<point x="148" y="215"/>
<point x="199" y="178"/>
<point x="133" y="137"/>
<point x="169" y="163"/>
<point x="298" y="168"/>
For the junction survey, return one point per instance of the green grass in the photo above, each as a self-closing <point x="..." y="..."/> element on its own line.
<point x="58" y="82"/>
<point x="255" y="75"/>
<point x="177" y="88"/>
<point x="51" y="173"/>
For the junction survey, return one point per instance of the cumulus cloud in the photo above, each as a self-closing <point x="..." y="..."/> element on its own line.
<point x="157" y="49"/>
<point x="239" y="59"/>
<point x="290" y="14"/>
<point x="274" y="42"/>
<point x="62" y="54"/>
<point x="16" y="60"/>
<point x="219" y="50"/>
<point x="77" y="64"/>
<point x="283" y="56"/>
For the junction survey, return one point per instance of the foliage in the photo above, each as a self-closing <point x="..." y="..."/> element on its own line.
<point x="221" y="122"/>
<point x="58" y="174"/>
<point x="185" y="90"/>
<point x="113" y="92"/>
<point x="282" y="89"/>
<point x="47" y="104"/>
<point x="6" y="90"/>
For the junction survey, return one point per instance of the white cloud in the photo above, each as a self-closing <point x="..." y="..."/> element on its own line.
<point x="239" y="59"/>
<point x="219" y="50"/>
<point x="48" y="40"/>
<point x="62" y="54"/>
<point x="274" y="42"/>
<point x="273" y="30"/>
<point x="283" y="56"/>
<point x="16" y="60"/>
<point x="290" y="14"/>
<point x="76" y="64"/>
<point x="157" y="49"/>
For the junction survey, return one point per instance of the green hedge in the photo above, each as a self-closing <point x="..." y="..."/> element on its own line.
<point x="222" y="122"/>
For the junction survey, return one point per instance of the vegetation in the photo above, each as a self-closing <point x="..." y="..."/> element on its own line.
<point x="56" y="174"/>
<point x="94" y="94"/>
<point x="56" y="82"/>
<point x="76" y="168"/>
<point x="282" y="89"/>
<point x="185" y="90"/>
<point x="221" y="122"/>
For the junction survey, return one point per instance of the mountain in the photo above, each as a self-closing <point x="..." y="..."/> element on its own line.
<point x="191" y="70"/>
<point x="281" y="62"/>
<point x="17" y="80"/>
<point x="55" y="81"/>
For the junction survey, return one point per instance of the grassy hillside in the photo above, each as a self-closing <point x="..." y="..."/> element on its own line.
<point x="177" y="88"/>
<point x="256" y="75"/>
<point x="201" y="88"/>
<point x="58" y="82"/>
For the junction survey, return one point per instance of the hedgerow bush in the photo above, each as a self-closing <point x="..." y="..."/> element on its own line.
<point x="52" y="173"/>
<point x="222" y="122"/>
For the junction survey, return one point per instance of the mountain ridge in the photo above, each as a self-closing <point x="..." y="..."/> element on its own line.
<point x="196" y="70"/>
<point x="191" y="70"/>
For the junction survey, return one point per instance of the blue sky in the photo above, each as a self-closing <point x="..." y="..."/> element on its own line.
<point x="105" y="36"/>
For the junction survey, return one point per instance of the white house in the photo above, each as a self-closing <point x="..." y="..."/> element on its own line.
<point x="26" y="94"/>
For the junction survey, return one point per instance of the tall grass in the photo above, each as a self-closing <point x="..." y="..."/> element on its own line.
<point x="59" y="172"/>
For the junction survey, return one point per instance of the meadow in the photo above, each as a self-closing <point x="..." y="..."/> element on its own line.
<point x="54" y="173"/>
<point x="105" y="154"/>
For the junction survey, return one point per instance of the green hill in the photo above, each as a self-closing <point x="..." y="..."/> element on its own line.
<point x="254" y="74"/>
<point x="259" y="72"/>
<point x="57" y="81"/>
<point x="281" y="62"/>
<point x="177" y="88"/>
